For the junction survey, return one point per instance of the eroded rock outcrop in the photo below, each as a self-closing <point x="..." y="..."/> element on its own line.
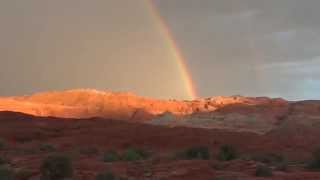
<point x="236" y="113"/>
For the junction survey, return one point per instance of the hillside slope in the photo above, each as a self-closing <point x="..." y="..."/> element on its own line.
<point x="86" y="141"/>
<point x="235" y="113"/>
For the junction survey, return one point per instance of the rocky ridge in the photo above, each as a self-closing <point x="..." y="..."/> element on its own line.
<point x="235" y="113"/>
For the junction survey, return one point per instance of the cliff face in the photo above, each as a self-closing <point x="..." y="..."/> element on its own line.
<point x="253" y="126"/>
<point x="236" y="113"/>
<point x="91" y="103"/>
<point x="124" y="106"/>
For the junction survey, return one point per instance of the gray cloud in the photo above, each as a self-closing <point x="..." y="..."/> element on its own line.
<point x="247" y="47"/>
<point x="230" y="43"/>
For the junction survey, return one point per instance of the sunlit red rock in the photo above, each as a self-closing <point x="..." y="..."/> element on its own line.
<point x="92" y="103"/>
<point x="235" y="113"/>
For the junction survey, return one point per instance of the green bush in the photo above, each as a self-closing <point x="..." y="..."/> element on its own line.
<point x="197" y="152"/>
<point x="272" y="159"/>
<point x="227" y="177"/>
<point x="2" y="144"/>
<point x="56" y="167"/>
<point x="3" y="161"/>
<point x="263" y="171"/>
<point x="283" y="166"/>
<point x="24" y="174"/>
<point x="6" y="174"/>
<point x="314" y="164"/>
<point x="105" y="176"/>
<point x="200" y="152"/>
<point x="29" y="151"/>
<point x="47" y="147"/>
<point x="227" y="153"/>
<point x="111" y="156"/>
<point x="220" y="178"/>
<point x="133" y="154"/>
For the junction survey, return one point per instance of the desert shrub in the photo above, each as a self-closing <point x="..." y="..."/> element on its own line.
<point x="2" y="144"/>
<point x="110" y="156"/>
<point x="218" y="166"/>
<point x="29" y="151"/>
<point x="227" y="153"/>
<point x="24" y="174"/>
<point x="6" y="174"/>
<point x="133" y="154"/>
<point x="220" y="178"/>
<point x="263" y="171"/>
<point x="47" y="147"/>
<point x="200" y="152"/>
<point x="179" y="155"/>
<point x="227" y="177"/>
<point x="283" y="166"/>
<point x="277" y="160"/>
<point x="89" y="151"/>
<point x="314" y="164"/>
<point x="105" y="176"/>
<point x="197" y="152"/>
<point x="3" y="161"/>
<point x="56" y="167"/>
<point x="22" y="138"/>
<point x="269" y="158"/>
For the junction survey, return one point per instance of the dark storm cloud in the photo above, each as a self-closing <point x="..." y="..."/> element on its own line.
<point x="230" y="43"/>
<point x="242" y="26"/>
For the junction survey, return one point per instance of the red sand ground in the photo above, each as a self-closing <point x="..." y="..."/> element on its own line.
<point x="252" y="125"/>
<point x="25" y="133"/>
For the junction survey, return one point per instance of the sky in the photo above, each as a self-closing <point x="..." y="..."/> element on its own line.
<point x="231" y="47"/>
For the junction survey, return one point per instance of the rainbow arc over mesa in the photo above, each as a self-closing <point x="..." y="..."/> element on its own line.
<point x="175" y="50"/>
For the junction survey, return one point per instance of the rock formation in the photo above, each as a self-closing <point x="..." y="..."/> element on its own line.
<point x="236" y="113"/>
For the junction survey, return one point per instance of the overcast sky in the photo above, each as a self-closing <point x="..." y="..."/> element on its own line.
<point x="245" y="47"/>
<point x="249" y="47"/>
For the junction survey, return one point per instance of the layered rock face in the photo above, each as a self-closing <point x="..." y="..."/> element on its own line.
<point x="124" y="106"/>
<point x="92" y="103"/>
<point x="236" y="113"/>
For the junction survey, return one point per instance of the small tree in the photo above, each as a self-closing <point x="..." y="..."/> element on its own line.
<point x="56" y="167"/>
<point x="227" y="153"/>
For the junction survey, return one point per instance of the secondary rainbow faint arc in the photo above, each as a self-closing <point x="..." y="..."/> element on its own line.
<point x="186" y="75"/>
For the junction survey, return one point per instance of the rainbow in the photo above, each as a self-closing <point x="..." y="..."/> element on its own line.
<point x="175" y="50"/>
